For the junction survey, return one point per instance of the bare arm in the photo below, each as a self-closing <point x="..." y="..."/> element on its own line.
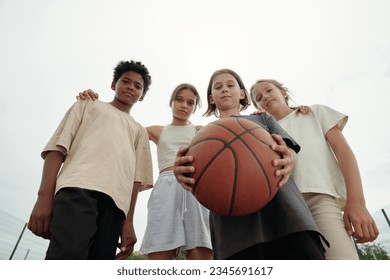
<point x="128" y="236"/>
<point x="357" y="219"/>
<point x="154" y="132"/>
<point x="42" y="212"/>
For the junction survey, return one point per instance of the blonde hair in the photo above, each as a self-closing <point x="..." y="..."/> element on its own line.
<point x="279" y="85"/>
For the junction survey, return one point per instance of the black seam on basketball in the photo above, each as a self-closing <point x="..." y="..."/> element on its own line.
<point x="246" y="130"/>
<point x="251" y="129"/>
<point x="234" y="187"/>
<point x="261" y="165"/>
<point x="259" y="162"/>
<point x="225" y="145"/>
<point x="238" y="137"/>
<point x="225" y="127"/>
<point x="233" y="199"/>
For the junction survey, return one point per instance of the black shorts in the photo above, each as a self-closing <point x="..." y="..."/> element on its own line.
<point x="86" y="225"/>
<point x="304" y="245"/>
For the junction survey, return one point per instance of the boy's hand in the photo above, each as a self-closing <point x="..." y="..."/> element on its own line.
<point x="40" y="217"/>
<point x="88" y="94"/>
<point x="128" y="240"/>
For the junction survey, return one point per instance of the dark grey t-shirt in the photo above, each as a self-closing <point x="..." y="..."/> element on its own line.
<point x="287" y="213"/>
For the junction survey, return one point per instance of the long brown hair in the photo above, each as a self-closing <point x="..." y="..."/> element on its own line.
<point x="212" y="108"/>
<point x="190" y="87"/>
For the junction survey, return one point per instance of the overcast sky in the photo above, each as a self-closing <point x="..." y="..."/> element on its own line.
<point x="335" y="53"/>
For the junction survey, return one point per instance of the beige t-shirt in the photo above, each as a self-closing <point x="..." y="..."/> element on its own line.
<point x="106" y="150"/>
<point x="317" y="168"/>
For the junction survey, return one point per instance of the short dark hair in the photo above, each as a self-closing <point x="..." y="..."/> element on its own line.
<point x="135" y="66"/>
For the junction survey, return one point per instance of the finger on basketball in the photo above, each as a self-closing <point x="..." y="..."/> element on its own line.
<point x="234" y="174"/>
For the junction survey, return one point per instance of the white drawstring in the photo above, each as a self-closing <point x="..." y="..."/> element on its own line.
<point x="184" y="203"/>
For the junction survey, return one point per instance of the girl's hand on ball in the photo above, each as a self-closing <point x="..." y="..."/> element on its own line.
<point x="181" y="167"/>
<point x="287" y="161"/>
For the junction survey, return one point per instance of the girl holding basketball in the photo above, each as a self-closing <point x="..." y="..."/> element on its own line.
<point x="326" y="173"/>
<point x="284" y="228"/>
<point x="176" y="220"/>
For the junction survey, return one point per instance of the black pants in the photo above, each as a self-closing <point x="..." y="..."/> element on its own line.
<point x="86" y="225"/>
<point x="304" y="245"/>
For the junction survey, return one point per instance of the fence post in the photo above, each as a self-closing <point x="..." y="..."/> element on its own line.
<point x="28" y="251"/>
<point x="17" y="242"/>
<point x="387" y="219"/>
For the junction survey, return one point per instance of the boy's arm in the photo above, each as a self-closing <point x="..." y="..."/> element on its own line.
<point x="128" y="237"/>
<point x="358" y="221"/>
<point x="41" y="214"/>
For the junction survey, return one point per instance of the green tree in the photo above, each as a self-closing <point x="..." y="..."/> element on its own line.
<point x="372" y="251"/>
<point x="135" y="256"/>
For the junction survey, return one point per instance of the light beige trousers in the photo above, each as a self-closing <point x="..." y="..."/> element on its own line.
<point x="329" y="218"/>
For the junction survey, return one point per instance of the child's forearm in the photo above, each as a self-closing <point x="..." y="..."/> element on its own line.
<point x="348" y="165"/>
<point x="352" y="178"/>
<point x="134" y="196"/>
<point x="51" y="167"/>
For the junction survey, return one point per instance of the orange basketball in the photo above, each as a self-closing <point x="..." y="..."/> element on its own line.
<point x="234" y="175"/>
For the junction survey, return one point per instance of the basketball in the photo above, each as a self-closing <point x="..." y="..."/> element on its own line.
<point x="234" y="175"/>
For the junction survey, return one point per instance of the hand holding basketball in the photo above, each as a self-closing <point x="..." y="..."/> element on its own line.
<point x="234" y="172"/>
<point x="286" y="163"/>
<point x="182" y="166"/>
